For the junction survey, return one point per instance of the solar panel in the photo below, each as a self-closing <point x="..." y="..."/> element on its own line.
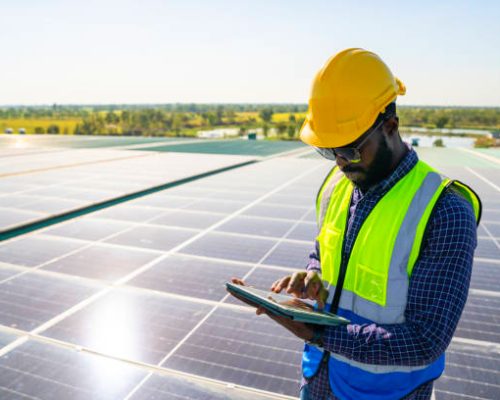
<point x="31" y="251"/>
<point x="256" y="226"/>
<point x="471" y="373"/>
<point x="55" y="182"/>
<point x="6" y="272"/>
<point x="221" y="245"/>
<point x="32" y="299"/>
<point x="480" y="319"/>
<point x="493" y="228"/>
<point x="492" y="202"/>
<point x="12" y="200"/>
<point x="159" y="238"/>
<point x="263" y="277"/>
<point x="486" y="276"/>
<point x="132" y="325"/>
<point x="10" y="218"/>
<point x="218" y="206"/>
<point x="162" y="201"/>
<point x="232" y="195"/>
<point x="172" y="388"/>
<point x="6" y="338"/>
<point x="41" y="371"/>
<point x="127" y="212"/>
<point x="295" y="199"/>
<point x="290" y="254"/>
<point x="491" y="214"/>
<point x="239" y="347"/>
<point x="190" y="276"/>
<point x="488" y="248"/>
<point x="187" y="219"/>
<point x="231" y="147"/>
<point x="87" y="229"/>
<point x="275" y="211"/>
<point x="304" y="231"/>
<point x="101" y="262"/>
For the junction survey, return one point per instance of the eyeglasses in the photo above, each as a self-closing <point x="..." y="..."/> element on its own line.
<point x="351" y="154"/>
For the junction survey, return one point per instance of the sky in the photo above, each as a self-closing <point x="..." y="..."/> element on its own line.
<point x="259" y="51"/>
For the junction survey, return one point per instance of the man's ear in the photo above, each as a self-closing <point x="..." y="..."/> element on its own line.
<point x="392" y="125"/>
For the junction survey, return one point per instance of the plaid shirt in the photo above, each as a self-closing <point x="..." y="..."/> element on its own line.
<point x="436" y="296"/>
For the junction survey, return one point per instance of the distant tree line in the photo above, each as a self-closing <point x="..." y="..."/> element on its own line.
<point x="283" y="120"/>
<point x="450" y="117"/>
<point x="72" y="111"/>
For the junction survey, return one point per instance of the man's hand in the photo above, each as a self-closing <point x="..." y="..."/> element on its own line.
<point x="304" y="285"/>
<point x="301" y="330"/>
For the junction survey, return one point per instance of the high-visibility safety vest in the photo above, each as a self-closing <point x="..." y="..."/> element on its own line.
<point x="378" y="274"/>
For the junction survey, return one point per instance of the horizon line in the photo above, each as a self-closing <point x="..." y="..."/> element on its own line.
<point x="13" y="105"/>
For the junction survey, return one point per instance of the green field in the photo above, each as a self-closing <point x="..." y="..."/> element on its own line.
<point x="66" y="126"/>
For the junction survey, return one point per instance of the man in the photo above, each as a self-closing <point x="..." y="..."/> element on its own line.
<point x="395" y="245"/>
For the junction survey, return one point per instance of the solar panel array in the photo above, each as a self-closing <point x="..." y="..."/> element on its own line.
<point x="129" y="302"/>
<point x="39" y="186"/>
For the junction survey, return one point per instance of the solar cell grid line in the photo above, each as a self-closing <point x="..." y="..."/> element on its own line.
<point x="487" y="260"/>
<point x="257" y="236"/>
<point x="493" y="226"/>
<point x="48" y="186"/>
<point x="72" y="165"/>
<point x="60" y="160"/>
<point x="481" y="292"/>
<point x="267" y="218"/>
<point x="179" y="344"/>
<point x="17" y="245"/>
<point x="490" y="158"/>
<point x="130" y="276"/>
<point x="488" y="279"/>
<point x="238" y="262"/>
<point x="490" y="235"/>
<point x="487" y="181"/>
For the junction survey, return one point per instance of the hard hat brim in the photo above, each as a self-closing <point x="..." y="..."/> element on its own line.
<point x="308" y="136"/>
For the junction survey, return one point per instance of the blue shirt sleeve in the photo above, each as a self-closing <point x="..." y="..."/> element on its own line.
<point x="314" y="263"/>
<point x="436" y="296"/>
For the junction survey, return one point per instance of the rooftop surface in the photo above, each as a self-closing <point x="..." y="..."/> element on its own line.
<point x="115" y="252"/>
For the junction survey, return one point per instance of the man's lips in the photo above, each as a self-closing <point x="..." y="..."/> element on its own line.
<point x="348" y="169"/>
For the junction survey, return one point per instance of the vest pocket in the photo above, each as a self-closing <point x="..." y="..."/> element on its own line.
<point x="370" y="284"/>
<point x="329" y="239"/>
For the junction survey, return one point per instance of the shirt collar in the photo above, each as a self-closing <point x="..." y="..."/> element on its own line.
<point x="404" y="166"/>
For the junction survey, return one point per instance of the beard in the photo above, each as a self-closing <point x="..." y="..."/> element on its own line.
<point x="379" y="169"/>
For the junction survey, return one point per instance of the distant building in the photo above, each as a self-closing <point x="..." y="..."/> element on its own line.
<point x="218" y="133"/>
<point x="9" y="130"/>
<point x="22" y="131"/>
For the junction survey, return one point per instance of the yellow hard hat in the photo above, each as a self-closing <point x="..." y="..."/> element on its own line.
<point x="347" y="95"/>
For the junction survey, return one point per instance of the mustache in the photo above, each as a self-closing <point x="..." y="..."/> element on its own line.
<point x="351" y="168"/>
